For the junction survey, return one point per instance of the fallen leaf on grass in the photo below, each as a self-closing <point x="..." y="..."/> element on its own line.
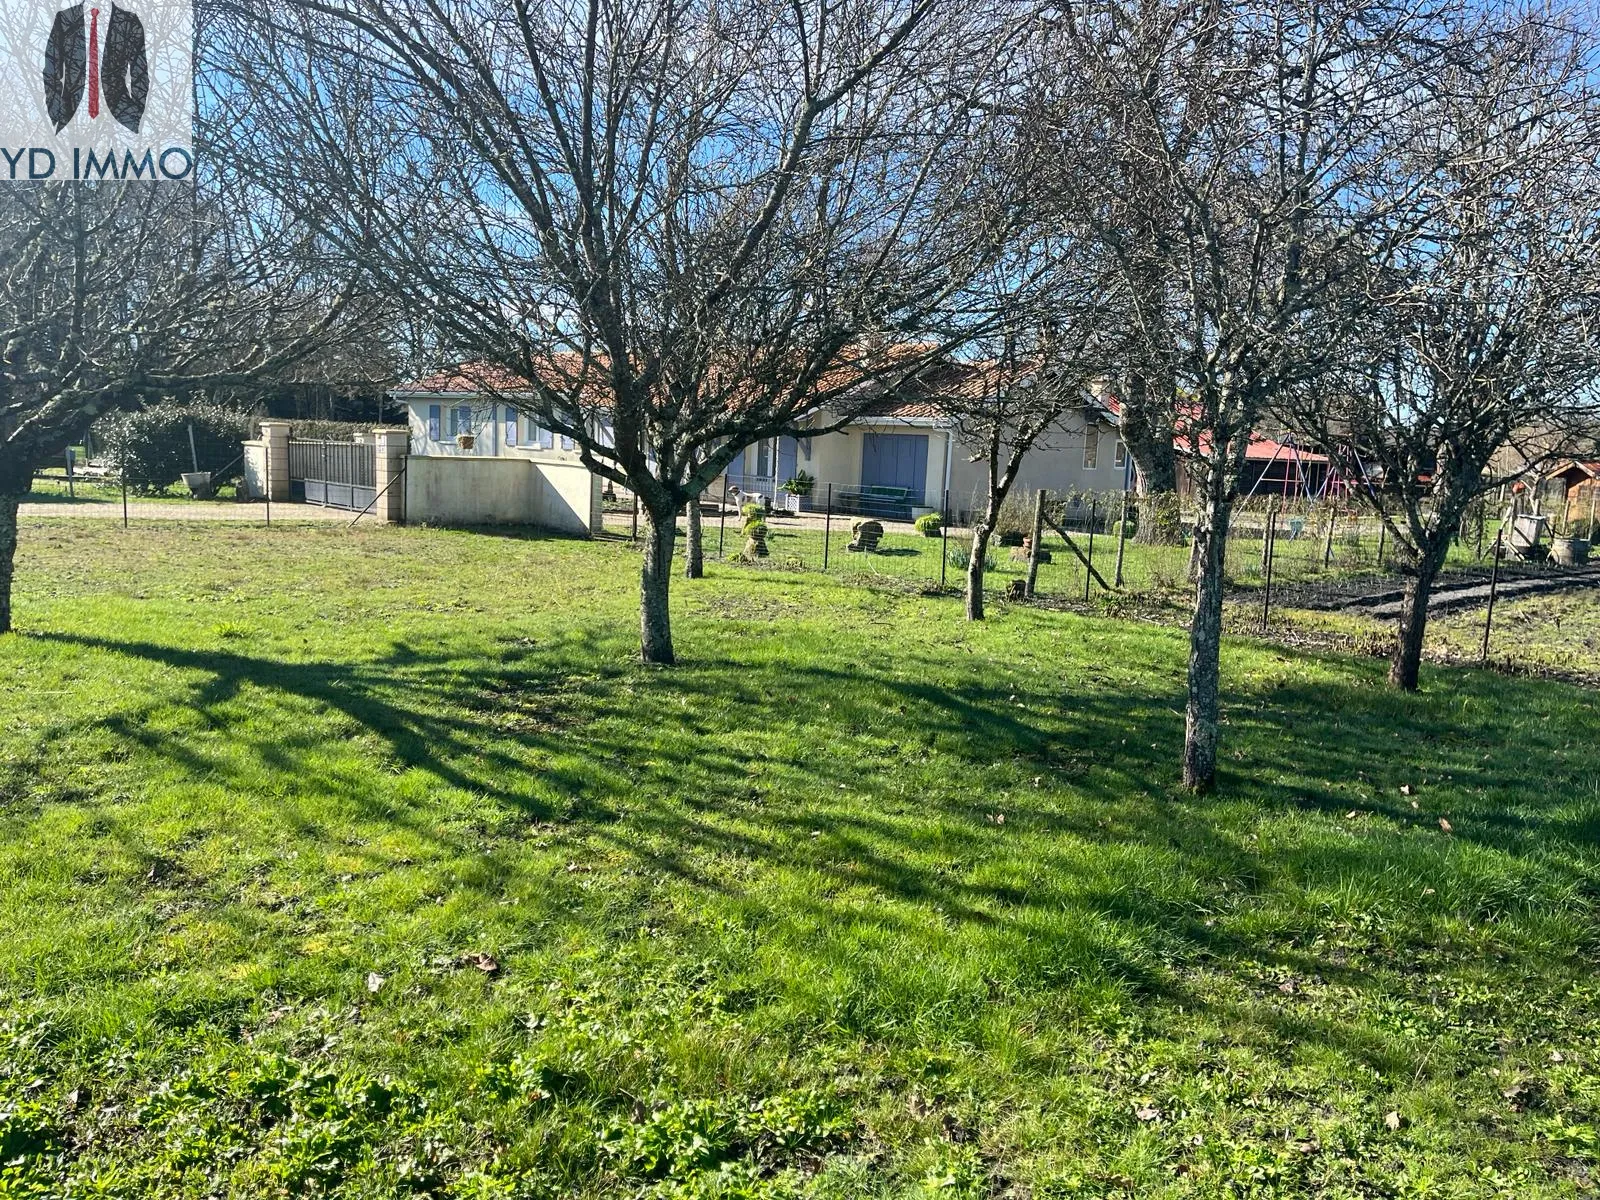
<point x="374" y="982"/>
<point x="1147" y="1114"/>
<point x="1444" y="825"/>
<point x="1393" y="1120"/>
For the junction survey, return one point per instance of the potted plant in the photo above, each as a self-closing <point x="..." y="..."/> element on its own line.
<point x="929" y="524"/>
<point x="803" y="484"/>
<point x="466" y="441"/>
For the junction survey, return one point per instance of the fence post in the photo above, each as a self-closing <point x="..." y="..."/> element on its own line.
<point x="1269" y="538"/>
<point x="1383" y="532"/>
<point x="722" y="522"/>
<point x="1494" y="586"/>
<point x="1122" y="535"/>
<point x="827" y="527"/>
<point x="1327" y="546"/>
<point x="1272" y="514"/>
<point x="1088" y="574"/>
<point x="72" y="493"/>
<point x="124" y="473"/>
<point x="635" y="534"/>
<point x="944" y="538"/>
<point x="266" y="470"/>
<point x="1033" y="545"/>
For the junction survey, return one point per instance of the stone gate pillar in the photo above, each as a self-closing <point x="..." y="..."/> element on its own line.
<point x="390" y="447"/>
<point x="275" y="436"/>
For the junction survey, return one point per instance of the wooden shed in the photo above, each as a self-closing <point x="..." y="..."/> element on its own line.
<point x="1573" y="491"/>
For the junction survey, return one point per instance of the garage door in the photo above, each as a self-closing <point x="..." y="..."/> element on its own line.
<point x="895" y="460"/>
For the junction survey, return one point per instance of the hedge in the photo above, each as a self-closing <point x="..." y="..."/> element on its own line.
<point x="151" y="447"/>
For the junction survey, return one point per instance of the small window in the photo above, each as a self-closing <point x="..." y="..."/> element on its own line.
<point x="511" y="426"/>
<point x="434" y="415"/>
<point x="1120" y="455"/>
<point x="460" y="420"/>
<point x="1091" y="447"/>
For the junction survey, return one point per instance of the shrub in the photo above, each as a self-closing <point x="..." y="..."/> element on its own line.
<point x="961" y="555"/>
<point x="151" y="447"/>
<point x="755" y="532"/>
<point x="753" y="511"/>
<point x="929" y="524"/>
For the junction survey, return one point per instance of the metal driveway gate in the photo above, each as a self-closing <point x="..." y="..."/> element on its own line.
<point x="333" y="474"/>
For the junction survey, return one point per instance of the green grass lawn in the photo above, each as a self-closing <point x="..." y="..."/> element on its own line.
<point x="370" y="863"/>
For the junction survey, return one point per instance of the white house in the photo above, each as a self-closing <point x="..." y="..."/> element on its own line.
<point x="905" y="454"/>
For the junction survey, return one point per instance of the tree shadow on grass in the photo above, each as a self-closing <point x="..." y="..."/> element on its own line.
<point x="1101" y="869"/>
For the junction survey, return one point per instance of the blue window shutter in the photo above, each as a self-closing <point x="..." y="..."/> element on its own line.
<point x="434" y="413"/>
<point x="511" y="426"/>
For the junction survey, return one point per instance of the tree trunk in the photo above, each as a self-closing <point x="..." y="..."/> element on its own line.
<point x="1148" y="435"/>
<point x="980" y="549"/>
<point x="8" y="555"/>
<point x="1406" y="661"/>
<point x="655" y="581"/>
<point x="1202" y="717"/>
<point x="693" y="552"/>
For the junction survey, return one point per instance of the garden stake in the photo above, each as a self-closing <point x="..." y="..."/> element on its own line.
<point x="1268" y="547"/>
<point x="827" y="528"/>
<point x="1383" y="530"/>
<point x="72" y="493"/>
<point x="1122" y="534"/>
<point x="124" y="493"/>
<point x="1093" y="509"/>
<point x="722" y="521"/>
<point x="944" y="539"/>
<point x="1494" y="586"/>
<point x="1033" y="546"/>
<point x="1327" y="546"/>
<point x="636" y="516"/>
<point x="268" y="488"/>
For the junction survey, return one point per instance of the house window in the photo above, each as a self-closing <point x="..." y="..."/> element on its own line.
<point x="460" y="420"/>
<point x="1091" y="447"/>
<point x="511" y="426"/>
<point x="435" y="412"/>
<point x="543" y="439"/>
<point x="1120" y="455"/>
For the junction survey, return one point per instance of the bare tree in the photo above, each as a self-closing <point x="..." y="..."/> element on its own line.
<point x="681" y="226"/>
<point x="1265" y="128"/>
<point x="1030" y="390"/>
<point x="1487" y="333"/>
<point x="111" y="293"/>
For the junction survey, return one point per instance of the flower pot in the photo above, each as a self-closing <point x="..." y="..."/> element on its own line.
<point x="466" y="441"/>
